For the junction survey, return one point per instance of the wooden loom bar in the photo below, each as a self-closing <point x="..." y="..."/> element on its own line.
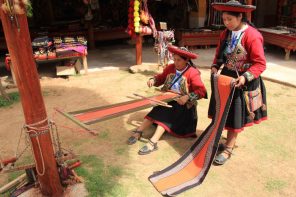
<point x="32" y="165"/>
<point x="249" y="15"/>
<point x="112" y="111"/>
<point x="72" y="118"/>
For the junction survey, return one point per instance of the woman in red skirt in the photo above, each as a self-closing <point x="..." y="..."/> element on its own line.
<point x="180" y="120"/>
<point x="241" y="52"/>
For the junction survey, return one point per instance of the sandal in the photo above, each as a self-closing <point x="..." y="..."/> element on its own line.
<point x="145" y="150"/>
<point x="221" y="159"/>
<point x="132" y="140"/>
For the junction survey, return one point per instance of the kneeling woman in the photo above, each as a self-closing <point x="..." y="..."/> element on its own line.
<point x="180" y="120"/>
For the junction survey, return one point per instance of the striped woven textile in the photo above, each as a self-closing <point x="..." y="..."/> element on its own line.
<point x="191" y="169"/>
<point x="90" y="116"/>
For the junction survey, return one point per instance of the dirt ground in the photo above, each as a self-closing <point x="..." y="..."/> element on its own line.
<point x="263" y="164"/>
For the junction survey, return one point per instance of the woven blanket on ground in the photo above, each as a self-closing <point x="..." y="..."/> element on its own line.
<point x="191" y="169"/>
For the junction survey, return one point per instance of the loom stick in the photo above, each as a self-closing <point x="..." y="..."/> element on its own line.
<point x="76" y="121"/>
<point x="13" y="183"/>
<point x="158" y="102"/>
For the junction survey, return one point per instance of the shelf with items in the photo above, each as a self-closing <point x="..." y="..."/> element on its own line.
<point x="63" y="52"/>
<point x="286" y="13"/>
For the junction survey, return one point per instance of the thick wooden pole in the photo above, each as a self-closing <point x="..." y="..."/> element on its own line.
<point x="24" y="67"/>
<point x="249" y="15"/>
<point x="139" y="40"/>
<point x="90" y="35"/>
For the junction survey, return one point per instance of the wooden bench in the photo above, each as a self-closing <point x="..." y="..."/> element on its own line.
<point x="280" y="38"/>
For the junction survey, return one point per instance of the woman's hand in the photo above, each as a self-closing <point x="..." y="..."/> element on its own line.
<point x="240" y="81"/>
<point x="151" y="82"/>
<point x="182" y="100"/>
<point x="214" y="70"/>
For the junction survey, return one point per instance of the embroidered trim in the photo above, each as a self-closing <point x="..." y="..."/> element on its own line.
<point x="237" y="57"/>
<point x="246" y="66"/>
<point x="193" y="96"/>
<point x="249" y="76"/>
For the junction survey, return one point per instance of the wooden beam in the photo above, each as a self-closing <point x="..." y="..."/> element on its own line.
<point x="249" y="15"/>
<point x="16" y="31"/>
<point x="13" y="183"/>
<point x="90" y="35"/>
<point x="73" y="119"/>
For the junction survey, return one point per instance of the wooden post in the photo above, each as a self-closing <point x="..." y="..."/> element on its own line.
<point x="90" y="35"/>
<point x="139" y="40"/>
<point x="24" y="67"/>
<point x="249" y="15"/>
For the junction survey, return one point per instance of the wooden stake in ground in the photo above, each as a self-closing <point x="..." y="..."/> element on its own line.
<point x="15" y="27"/>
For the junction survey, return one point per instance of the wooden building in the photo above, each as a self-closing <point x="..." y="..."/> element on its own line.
<point x="107" y="19"/>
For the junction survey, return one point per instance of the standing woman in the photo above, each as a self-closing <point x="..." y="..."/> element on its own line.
<point x="180" y="120"/>
<point x="241" y="52"/>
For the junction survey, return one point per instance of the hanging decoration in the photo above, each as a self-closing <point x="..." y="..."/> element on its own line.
<point x="13" y="7"/>
<point x="139" y="20"/>
<point x="144" y="13"/>
<point x="162" y="40"/>
<point x="131" y="27"/>
<point x="16" y="7"/>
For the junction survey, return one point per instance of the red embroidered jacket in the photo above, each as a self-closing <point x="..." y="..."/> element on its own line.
<point x="252" y="41"/>
<point x="191" y="83"/>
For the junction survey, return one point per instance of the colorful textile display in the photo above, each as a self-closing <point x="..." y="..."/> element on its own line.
<point x="48" y="48"/>
<point x="191" y="169"/>
<point x="43" y="48"/>
<point x="69" y="46"/>
<point x="139" y="19"/>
